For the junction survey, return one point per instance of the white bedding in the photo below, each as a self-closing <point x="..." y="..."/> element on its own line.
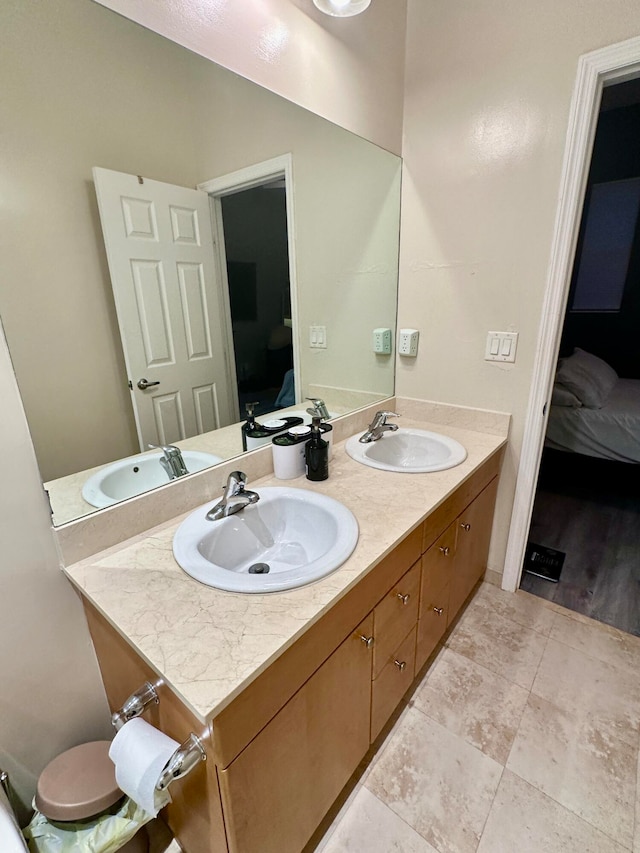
<point x="612" y="432"/>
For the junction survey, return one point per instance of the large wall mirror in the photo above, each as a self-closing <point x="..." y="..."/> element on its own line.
<point x="302" y="234"/>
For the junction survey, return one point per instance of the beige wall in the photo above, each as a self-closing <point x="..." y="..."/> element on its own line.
<point x="126" y="99"/>
<point x="488" y="88"/>
<point x="348" y="70"/>
<point x="51" y="693"/>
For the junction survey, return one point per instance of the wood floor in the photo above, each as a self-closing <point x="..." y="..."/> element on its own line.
<point x="590" y="509"/>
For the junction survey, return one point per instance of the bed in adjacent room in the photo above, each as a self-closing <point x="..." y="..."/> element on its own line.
<point x="593" y="411"/>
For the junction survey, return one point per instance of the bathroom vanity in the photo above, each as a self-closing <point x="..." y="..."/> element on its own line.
<point x="288" y="691"/>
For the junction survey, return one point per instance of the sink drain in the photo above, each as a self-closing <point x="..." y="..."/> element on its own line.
<point x="259" y="569"/>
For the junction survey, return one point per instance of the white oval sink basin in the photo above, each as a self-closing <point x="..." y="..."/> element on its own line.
<point x="299" y="534"/>
<point x="129" y="477"/>
<point x="410" y="451"/>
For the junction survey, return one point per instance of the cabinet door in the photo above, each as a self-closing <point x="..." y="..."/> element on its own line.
<point x="438" y="567"/>
<point x="279" y="788"/>
<point x="473" y="535"/>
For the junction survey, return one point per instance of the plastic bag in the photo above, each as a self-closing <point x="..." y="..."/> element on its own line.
<point x="105" y="834"/>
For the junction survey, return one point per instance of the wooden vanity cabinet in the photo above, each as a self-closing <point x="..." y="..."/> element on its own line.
<point x="279" y="788"/>
<point x="195" y="813"/>
<point x="280" y="753"/>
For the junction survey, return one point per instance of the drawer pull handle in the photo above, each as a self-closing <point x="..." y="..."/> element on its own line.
<point x="401" y="664"/>
<point x="368" y="641"/>
<point x="404" y="598"/>
<point x="438" y="610"/>
<point x="445" y="550"/>
<point x="466" y="527"/>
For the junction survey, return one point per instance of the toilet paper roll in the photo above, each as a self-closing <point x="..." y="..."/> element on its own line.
<point x="139" y="752"/>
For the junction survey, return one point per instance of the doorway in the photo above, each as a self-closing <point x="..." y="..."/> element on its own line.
<point x="252" y="211"/>
<point x="255" y="238"/>
<point x="607" y="66"/>
<point x="616" y="64"/>
<point x="585" y="528"/>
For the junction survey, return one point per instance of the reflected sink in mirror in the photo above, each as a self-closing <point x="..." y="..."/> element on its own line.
<point x="288" y="539"/>
<point x="127" y="478"/>
<point x="409" y="451"/>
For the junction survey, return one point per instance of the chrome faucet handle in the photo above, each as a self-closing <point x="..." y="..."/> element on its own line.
<point x="319" y="407"/>
<point x="235" y="484"/>
<point x="172" y="460"/>
<point x="234" y="497"/>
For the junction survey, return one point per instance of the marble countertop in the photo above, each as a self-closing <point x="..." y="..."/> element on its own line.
<point x="208" y="645"/>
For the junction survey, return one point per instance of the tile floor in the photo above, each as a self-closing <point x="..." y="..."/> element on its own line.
<point x="522" y="737"/>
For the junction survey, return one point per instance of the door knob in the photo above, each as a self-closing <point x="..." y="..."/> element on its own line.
<point x="143" y="384"/>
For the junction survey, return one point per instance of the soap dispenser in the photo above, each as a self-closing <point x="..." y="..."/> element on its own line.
<point x="251" y="428"/>
<point x="317" y="453"/>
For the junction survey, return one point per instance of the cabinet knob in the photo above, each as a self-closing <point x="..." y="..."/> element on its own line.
<point x="466" y="527"/>
<point x="368" y="641"/>
<point x="401" y="664"/>
<point x="404" y="598"/>
<point x="438" y="610"/>
<point x="445" y="550"/>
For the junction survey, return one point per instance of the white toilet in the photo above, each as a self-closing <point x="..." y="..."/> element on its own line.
<point x="11" y="839"/>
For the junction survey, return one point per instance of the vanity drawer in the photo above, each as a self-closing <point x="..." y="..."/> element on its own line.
<point x="394" y="617"/>
<point x="393" y="682"/>
<point x="437" y="563"/>
<point x="432" y="623"/>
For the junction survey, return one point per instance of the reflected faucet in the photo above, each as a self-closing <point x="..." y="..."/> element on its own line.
<point x="379" y="425"/>
<point x="319" y="409"/>
<point x="234" y="497"/>
<point x="171" y="460"/>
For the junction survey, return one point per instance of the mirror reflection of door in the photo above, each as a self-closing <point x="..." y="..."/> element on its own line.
<point x="159" y="242"/>
<point x="257" y="264"/>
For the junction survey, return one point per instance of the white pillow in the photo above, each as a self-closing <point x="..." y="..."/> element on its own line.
<point x="588" y="377"/>
<point x="561" y="396"/>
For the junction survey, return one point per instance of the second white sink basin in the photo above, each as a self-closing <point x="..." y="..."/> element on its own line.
<point x="137" y="474"/>
<point x="289" y="538"/>
<point x="410" y="451"/>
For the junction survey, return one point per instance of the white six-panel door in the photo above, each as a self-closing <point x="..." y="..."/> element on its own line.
<point x="159" y="242"/>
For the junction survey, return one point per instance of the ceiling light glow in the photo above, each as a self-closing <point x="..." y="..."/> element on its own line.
<point x="342" y="8"/>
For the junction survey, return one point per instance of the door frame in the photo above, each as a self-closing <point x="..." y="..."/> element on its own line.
<point x="245" y="179"/>
<point x="613" y="64"/>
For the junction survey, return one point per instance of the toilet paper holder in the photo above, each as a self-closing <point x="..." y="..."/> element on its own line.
<point x="187" y="756"/>
<point x="135" y="705"/>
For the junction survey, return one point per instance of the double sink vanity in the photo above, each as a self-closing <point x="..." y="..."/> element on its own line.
<point x="288" y="689"/>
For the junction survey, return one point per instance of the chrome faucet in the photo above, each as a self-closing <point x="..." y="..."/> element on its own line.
<point x="319" y="409"/>
<point x="171" y="460"/>
<point x="234" y="497"/>
<point x="379" y="425"/>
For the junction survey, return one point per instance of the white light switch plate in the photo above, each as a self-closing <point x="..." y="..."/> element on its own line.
<point x="501" y="346"/>
<point x="318" y="337"/>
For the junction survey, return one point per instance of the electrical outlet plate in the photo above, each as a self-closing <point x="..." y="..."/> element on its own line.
<point x="408" y="342"/>
<point x="382" y="341"/>
<point x="501" y="346"/>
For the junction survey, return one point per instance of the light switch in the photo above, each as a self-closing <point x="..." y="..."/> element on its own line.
<point x="501" y="346"/>
<point x="318" y="337"/>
